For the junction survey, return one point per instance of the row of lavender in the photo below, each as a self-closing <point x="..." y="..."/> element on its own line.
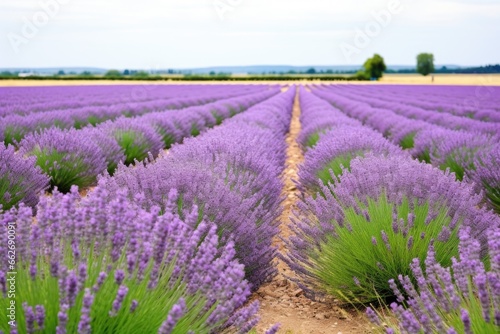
<point x="30" y="100"/>
<point x="373" y="222"/>
<point x="475" y="102"/>
<point x="76" y="157"/>
<point x="158" y="247"/>
<point x="14" y="127"/>
<point x="472" y="154"/>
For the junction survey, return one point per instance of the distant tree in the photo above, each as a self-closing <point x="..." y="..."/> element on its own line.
<point x="6" y="74"/>
<point x="362" y="75"/>
<point x="425" y="63"/>
<point x="375" y="67"/>
<point x="86" y="73"/>
<point x="126" y="72"/>
<point x="113" y="74"/>
<point x="311" y="71"/>
<point x="61" y="72"/>
<point x="212" y="73"/>
<point x="329" y="71"/>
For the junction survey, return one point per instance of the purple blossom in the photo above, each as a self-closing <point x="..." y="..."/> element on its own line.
<point x="273" y="329"/>
<point x="133" y="306"/>
<point x="40" y="316"/>
<point x="372" y="316"/>
<point x="84" y="324"/>
<point x="174" y="316"/>
<point x="117" y="303"/>
<point x="30" y="318"/>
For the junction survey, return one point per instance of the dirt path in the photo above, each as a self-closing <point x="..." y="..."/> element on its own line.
<point x="281" y="300"/>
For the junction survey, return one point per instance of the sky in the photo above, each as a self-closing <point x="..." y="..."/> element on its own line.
<point x="154" y="34"/>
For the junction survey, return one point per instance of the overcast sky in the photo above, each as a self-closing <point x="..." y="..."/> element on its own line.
<point x="153" y="34"/>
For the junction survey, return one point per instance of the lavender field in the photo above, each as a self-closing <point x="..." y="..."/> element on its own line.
<point x="220" y="208"/>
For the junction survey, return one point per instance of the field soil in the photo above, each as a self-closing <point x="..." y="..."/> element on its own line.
<point x="439" y="79"/>
<point x="281" y="300"/>
<point x="443" y="79"/>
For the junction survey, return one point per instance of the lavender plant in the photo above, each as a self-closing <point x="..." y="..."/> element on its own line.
<point x="20" y="180"/>
<point x="461" y="298"/>
<point x="68" y="157"/>
<point x="135" y="139"/>
<point x="93" y="265"/>
<point x="113" y="153"/>
<point x="487" y="174"/>
<point x="375" y="220"/>
<point x="334" y="152"/>
<point x="458" y="152"/>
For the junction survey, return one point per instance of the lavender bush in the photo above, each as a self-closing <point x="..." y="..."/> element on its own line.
<point x="135" y="139"/>
<point x="113" y="153"/>
<point x="375" y="220"/>
<point x="462" y="298"/>
<point x="487" y="174"/>
<point x="334" y="152"/>
<point x="458" y="152"/>
<point x="20" y="180"/>
<point x="93" y="265"/>
<point x="68" y="157"/>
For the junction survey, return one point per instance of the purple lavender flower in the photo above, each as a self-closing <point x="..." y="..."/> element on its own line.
<point x="273" y="329"/>
<point x="133" y="306"/>
<point x="119" y="276"/>
<point x="174" y="316"/>
<point x="117" y="303"/>
<point x="30" y="318"/>
<point x="40" y="316"/>
<point x="372" y="316"/>
<point x="84" y="324"/>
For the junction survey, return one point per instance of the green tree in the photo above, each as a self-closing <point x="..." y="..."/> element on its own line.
<point x="61" y="72"/>
<point x="311" y="71"/>
<point x="126" y="72"/>
<point x="375" y="67"/>
<point x="425" y="63"/>
<point x="113" y="74"/>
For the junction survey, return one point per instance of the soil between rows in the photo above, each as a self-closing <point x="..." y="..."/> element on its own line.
<point x="281" y="300"/>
